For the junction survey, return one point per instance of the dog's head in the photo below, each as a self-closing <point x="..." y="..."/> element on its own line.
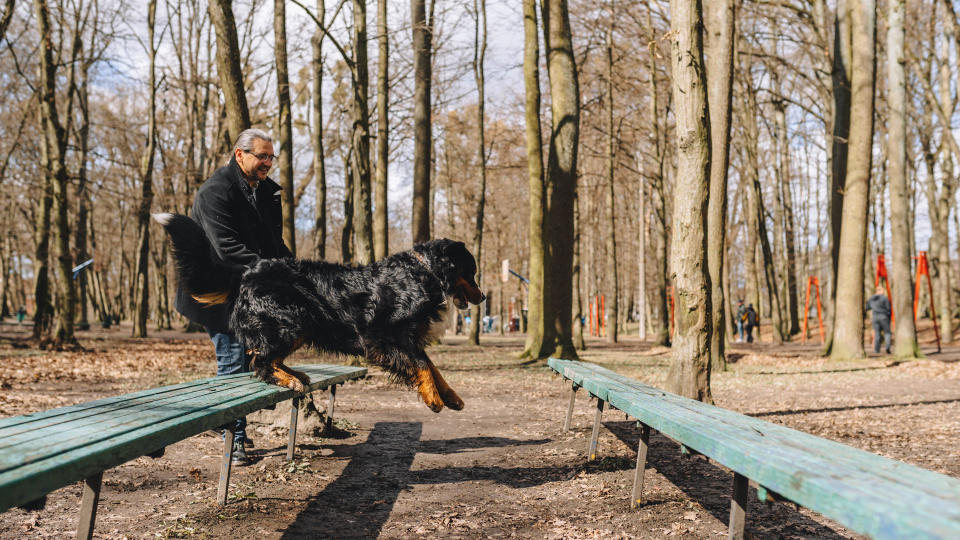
<point x="453" y="263"/>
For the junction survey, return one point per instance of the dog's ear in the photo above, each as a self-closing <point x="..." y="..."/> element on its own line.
<point x="454" y="247"/>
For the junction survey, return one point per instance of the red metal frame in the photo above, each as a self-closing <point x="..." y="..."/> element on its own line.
<point x="923" y="269"/>
<point x="814" y="282"/>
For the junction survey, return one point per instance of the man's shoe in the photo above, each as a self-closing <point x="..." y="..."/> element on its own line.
<point x="240" y="457"/>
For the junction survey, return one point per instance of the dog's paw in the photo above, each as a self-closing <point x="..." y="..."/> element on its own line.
<point x="295" y="385"/>
<point x="454" y="402"/>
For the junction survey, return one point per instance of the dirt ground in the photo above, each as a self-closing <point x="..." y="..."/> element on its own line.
<point x="499" y="468"/>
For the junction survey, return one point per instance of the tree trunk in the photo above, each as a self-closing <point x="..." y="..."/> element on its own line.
<point x="479" y="51"/>
<point x="690" y="370"/>
<point x="556" y="287"/>
<point x="381" y="227"/>
<point x="848" y="326"/>
<point x="346" y="237"/>
<point x="362" y="209"/>
<point x="905" y="342"/>
<point x="422" y="39"/>
<point x="719" y="27"/>
<point x="319" y="162"/>
<point x="578" y="341"/>
<point x="611" y="234"/>
<point x="55" y="137"/>
<point x="786" y="198"/>
<point x="661" y="315"/>
<point x="142" y="278"/>
<point x="228" y="69"/>
<point x="285" y="171"/>
<point x="534" y="147"/>
<point x="840" y="75"/>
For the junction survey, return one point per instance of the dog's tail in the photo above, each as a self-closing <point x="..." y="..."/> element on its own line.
<point x="199" y="270"/>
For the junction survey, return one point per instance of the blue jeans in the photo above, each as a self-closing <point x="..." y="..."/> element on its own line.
<point x="231" y="359"/>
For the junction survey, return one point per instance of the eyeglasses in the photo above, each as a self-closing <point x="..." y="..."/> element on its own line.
<point x="263" y="157"/>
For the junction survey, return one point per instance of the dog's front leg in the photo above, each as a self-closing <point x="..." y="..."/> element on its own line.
<point x="433" y="388"/>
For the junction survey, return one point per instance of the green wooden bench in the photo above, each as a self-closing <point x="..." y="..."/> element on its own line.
<point x="870" y="494"/>
<point x="47" y="450"/>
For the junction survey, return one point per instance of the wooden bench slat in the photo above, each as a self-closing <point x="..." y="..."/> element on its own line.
<point x="863" y="491"/>
<point x="60" y="467"/>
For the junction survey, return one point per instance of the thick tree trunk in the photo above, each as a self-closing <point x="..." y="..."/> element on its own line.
<point x="611" y="234"/>
<point x="479" y="51"/>
<point x="381" y="228"/>
<point x="534" y="147"/>
<point x="422" y="39"/>
<point x="905" y="342"/>
<point x="346" y="236"/>
<point x="719" y="27"/>
<point x="690" y="370"/>
<point x="848" y="326"/>
<point x="841" y="75"/>
<point x="285" y="122"/>
<point x="228" y="69"/>
<point x="556" y="288"/>
<point x="142" y="279"/>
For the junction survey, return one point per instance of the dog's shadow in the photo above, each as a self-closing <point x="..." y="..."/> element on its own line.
<point x="364" y="494"/>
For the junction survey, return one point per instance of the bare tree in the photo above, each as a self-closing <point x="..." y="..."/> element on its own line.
<point x="142" y="279"/>
<point x="552" y="336"/>
<point x="319" y="163"/>
<point x="285" y="124"/>
<point x="422" y="39"/>
<point x="228" y="69"/>
<point x="381" y="227"/>
<point x="690" y="370"/>
<point x="848" y="327"/>
<point x="905" y="344"/>
<point x="719" y="28"/>
<point x="611" y="192"/>
<point x="479" y="51"/>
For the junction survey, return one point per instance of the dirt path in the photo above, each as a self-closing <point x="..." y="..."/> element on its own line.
<point x="499" y="468"/>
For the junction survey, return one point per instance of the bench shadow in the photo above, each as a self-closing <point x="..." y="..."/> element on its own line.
<point x="711" y="486"/>
<point x="789" y="412"/>
<point x="362" y="497"/>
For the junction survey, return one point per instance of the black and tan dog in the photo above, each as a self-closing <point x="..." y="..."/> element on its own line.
<point x="386" y="311"/>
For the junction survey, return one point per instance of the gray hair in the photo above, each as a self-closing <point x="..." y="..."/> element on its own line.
<point x="245" y="140"/>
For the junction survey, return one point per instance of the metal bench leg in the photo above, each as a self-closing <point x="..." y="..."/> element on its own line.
<point x="88" y="506"/>
<point x="224" y="487"/>
<point x="294" y="414"/>
<point x="641" y="465"/>
<point x="573" y="395"/>
<point x="738" y="506"/>
<point x="333" y="397"/>
<point x="596" y="430"/>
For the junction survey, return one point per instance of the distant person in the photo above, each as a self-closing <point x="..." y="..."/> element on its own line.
<point x="751" y="322"/>
<point x="741" y="320"/>
<point x="879" y="305"/>
<point x="21" y="314"/>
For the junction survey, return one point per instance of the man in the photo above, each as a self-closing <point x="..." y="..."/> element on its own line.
<point x="751" y="322"/>
<point x="741" y="319"/>
<point x="239" y="209"/>
<point x="879" y="305"/>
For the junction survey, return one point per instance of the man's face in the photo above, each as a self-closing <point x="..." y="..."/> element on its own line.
<point x="252" y="165"/>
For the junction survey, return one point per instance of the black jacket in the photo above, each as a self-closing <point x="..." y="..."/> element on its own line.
<point x="240" y="232"/>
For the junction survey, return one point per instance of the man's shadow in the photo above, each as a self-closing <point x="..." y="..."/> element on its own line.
<point x="363" y="495"/>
